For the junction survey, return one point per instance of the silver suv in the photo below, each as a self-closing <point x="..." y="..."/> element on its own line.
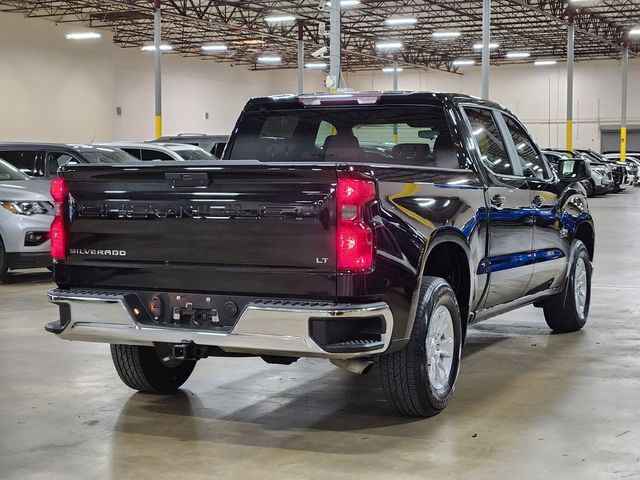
<point x="26" y="212"/>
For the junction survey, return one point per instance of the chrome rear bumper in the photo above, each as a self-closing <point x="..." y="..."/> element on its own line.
<point x="260" y="329"/>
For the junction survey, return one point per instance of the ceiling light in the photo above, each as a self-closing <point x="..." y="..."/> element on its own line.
<point x="518" y="54"/>
<point x="82" y="35"/>
<point x="214" y="48"/>
<point x="478" y="46"/>
<point x="346" y="3"/>
<point x="269" y="59"/>
<point x="393" y="22"/>
<point x="389" y="45"/>
<point x="544" y="62"/>
<point x="249" y="41"/>
<point x="152" y="48"/>
<point x="391" y="69"/>
<point x="634" y="31"/>
<point x="315" y="65"/>
<point x="446" y="35"/>
<point x="461" y="62"/>
<point x="280" y="19"/>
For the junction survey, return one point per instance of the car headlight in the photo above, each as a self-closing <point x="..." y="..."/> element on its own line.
<point x="26" y="207"/>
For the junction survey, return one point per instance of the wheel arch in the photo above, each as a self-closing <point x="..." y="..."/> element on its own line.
<point x="585" y="232"/>
<point x="447" y="255"/>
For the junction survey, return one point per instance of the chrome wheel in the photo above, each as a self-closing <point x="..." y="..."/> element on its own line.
<point x="580" y="285"/>
<point x="440" y="347"/>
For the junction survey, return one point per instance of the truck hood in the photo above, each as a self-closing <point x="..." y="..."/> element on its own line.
<point x="25" y="190"/>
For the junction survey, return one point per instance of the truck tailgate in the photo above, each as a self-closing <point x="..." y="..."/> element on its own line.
<point x="230" y="227"/>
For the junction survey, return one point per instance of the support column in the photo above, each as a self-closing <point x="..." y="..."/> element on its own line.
<point x="333" y="82"/>
<point x="570" y="42"/>
<point x="157" y="38"/>
<point x="300" y="59"/>
<point x="395" y="89"/>
<point x="486" y="40"/>
<point x="623" y="111"/>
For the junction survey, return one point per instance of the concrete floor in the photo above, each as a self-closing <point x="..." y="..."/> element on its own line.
<point x="528" y="404"/>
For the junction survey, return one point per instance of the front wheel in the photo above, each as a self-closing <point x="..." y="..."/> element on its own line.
<point x="4" y="262"/>
<point x="419" y="380"/>
<point x="145" y="369"/>
<point x="568" y="312"/>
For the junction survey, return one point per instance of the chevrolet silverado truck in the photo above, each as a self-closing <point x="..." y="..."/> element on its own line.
<point x="362" y="228"/>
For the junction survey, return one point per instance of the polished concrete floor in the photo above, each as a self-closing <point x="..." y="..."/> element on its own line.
<point x="529" y="405"/>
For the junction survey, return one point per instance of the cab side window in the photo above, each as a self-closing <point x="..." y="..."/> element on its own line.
<point x="493" y="152"/>
<point x="57" y="159"/>
<point x="154" y="155"/>
<point x="529" y="156"/>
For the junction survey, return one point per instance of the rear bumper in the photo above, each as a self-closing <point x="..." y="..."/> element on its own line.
<point x="262" y="328"/>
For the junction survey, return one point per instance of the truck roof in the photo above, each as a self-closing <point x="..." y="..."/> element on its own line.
<point x="377" y="97"/>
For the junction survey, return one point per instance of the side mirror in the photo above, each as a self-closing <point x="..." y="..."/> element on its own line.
<point x="573" y="170"/>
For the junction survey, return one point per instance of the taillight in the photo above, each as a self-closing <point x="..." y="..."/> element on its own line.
<point x="58" y="231"/>
<point x="354" y="234"/>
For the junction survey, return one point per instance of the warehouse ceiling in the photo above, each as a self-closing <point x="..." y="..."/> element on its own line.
<point x="535" y="26"/>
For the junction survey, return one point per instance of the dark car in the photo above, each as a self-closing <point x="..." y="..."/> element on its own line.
<point x="214" y="144"/>
<point x="301" y="243"/>
<point x="42" y="160"/>
<point x="621" y="176"/>
<point x="601" y="179"/>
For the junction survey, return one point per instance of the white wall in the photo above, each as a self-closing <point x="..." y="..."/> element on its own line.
<point x="53" y="89"/>
<point x="537" y="95"/>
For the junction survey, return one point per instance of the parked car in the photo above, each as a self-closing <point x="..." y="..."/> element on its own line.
<point x="155" y="152"/>
<point x="42" y="160"/>
<point x="26" y="212"/>
<point x="214" y="144"/>
<point x="619" y="171"/>
<point x="601" y="179"/>
<point x="632" y="165"/>
<point x="318" y="248"/>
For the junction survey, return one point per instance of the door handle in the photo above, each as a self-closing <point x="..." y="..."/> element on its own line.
<point x="537" y="200"/>
<point x="498" y="200"/>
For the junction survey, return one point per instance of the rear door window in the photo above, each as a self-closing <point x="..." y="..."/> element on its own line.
<point x="133" y="151"/>
<point x="493" y="151"/>
<point x="25" y="161"/>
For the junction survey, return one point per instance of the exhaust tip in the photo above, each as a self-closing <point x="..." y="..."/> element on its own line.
<point x="358" y="366"/>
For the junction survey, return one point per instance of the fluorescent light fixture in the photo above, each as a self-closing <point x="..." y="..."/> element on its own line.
<point x="270" y="59"/>
<point x="151" y="48"/>
<point x="214" y="48"/>
<point x="445" y="35"/>
<point x="346" y="3"/>
<point x="518" y="55"/>
<point x="462" y="62"/>
<point x="389" y="45"/>
<point x="391" y="69"/>
<point x="280" y="19"/>
<point x="634" y="31"/>
<point x="315" y="65"/>
<point x="398" y="21"/>
<point x="542" y="63"/>
<point x="492" y="46"/>
<point x="82" y="35"/>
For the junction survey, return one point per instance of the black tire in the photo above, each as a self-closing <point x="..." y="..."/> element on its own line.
<point x="4" y="262"/>
<point x="590" y="187"/>
<point x="562" y="313"/>
<point x="143" y="369"/>
<point x="404" y="374"/>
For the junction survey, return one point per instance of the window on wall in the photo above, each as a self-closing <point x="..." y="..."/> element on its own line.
<point x="529" y="156"/>
<point x="493" y="152"/>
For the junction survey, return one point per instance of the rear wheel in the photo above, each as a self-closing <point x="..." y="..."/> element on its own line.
<point x="419" y="380"/>
<point x="145" y="369"/>
<point x="568" y="312"/>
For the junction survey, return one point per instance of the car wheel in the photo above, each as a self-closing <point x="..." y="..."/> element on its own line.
<point x="590" y="187"/>
<point x="568" y="311"/>
<point x="419" y="380"/>
<point x="143" y="368"/>
<point x="4" y="262"/>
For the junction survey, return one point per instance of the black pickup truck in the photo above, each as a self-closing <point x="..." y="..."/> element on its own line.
<point x="364" y="228"/>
